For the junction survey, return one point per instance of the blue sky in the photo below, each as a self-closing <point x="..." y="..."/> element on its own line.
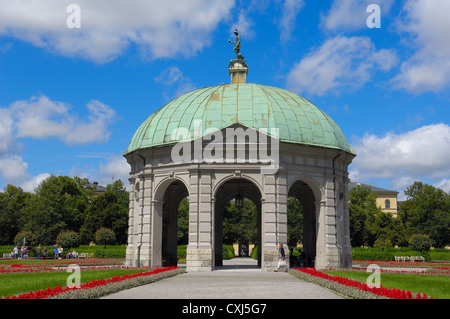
<point x="71" y="98"/>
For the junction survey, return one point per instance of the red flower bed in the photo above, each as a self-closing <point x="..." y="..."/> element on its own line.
<point x="381" y="291"/>
<point x="10" y="268"/>
<point x="49" y="292"/>
<point x="55" y="265"/>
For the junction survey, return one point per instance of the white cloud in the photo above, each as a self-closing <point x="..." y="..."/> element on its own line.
<point x="341" y="62"/>
<point x="290" y="10"/>
<point x="173" y="78"/>
<point x="116" y="167"/>
<point x="421" y="154"/>
<point x="425" y="25"/>
<point x="444" y="184"/>
<point x="41" y="118"/>
<point x="350" y="15"/>
<point x="6" y="130"/>
<point x="108" y="27"/>
<point x="33" y="182"/>
<point x="13" y="170"/>
<point x="170" y="76"/>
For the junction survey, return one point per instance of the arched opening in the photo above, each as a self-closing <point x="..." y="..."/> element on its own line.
<point x="174" y="194"/>
<point x="237" y="225"/>
<point x="301" y="201"/>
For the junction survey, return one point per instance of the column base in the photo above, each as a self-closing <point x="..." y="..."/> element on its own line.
<point x="270" y="259"/>
<point x="199" y="259"/>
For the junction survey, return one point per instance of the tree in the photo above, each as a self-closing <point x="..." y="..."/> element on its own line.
<point x="420" y="242"/>
<point x="183" y="222"/>
<point x="427" y="211"/>
<point x="58" y="205"/>
<point x="109" y="210"/>
<point x="105" y="236"/>
<point x="240" y="225"/>
<point x="25" y="237"/>
<point x="12" y="201"/>
<point x="68" y="239"/>
<point x="295" y="222"/>
<point x="363" y="210"/>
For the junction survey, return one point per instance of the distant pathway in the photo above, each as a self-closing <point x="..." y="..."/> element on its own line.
<point x="238" y="279"/>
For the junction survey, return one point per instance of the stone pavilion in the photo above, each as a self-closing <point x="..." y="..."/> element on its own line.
<point x="230" y="141"/>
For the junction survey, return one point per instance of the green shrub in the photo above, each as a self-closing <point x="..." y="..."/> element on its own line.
<point x="109" y="253"/>
<point x="420" y="242"/>
<point x="372" y="253"/>
<point x="382" y="243"/>
<point x="255" y="253"/>
<point x="440" y="254"/>
<point x="228" y="252"/>
<point x="30" y="239"/>
<point x="181" y="251"/>
<point x="105" y="236"/>
<point x="68" y="239"/>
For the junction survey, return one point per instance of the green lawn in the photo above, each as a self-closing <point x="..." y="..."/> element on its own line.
<point x="436" y="286"/>
<point x="13" y="283"/>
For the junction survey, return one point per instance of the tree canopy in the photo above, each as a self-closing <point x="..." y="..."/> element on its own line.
<point x="426" y="211"/>
<point x="61" y="204"/>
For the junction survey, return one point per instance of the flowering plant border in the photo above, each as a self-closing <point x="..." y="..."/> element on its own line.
<point x="100" y="287"/>
<point x="352" y="288"/>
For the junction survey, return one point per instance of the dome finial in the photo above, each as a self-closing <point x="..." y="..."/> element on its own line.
<point x="238" y="69"/>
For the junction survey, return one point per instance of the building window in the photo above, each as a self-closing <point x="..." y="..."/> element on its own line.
<point x="387" y="203"/>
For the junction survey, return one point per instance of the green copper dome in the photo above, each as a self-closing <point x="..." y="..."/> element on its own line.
<point x="251" y="105"/>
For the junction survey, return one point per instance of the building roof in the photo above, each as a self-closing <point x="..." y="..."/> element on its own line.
<point x="98" y="188"/>
<point x="251" y="105"/>
<point x="373" y="189"/>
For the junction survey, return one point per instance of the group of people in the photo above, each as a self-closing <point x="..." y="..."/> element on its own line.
<point x="24" y="250"/>
<point x="58" y="252"/>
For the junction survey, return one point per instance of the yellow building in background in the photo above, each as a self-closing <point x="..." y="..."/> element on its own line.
<point x="386" y="199"/>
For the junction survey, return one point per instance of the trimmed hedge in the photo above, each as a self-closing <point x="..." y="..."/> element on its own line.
<point x="359" y="253"/>
<point x="255" y="253"/>
<point x="228" y="252"/>
<point x="181" y="251"/>
<point x="370" y="253"/>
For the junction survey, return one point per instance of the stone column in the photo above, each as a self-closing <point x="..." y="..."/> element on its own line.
<point x="155" y="248"/>
<point x="327" y="251"/>
<point x="200" y="249"/>
<point x="269" y="224"/>
<point x="346" y="254"/>
<point x="218" y="231"/>
<point x="140" y="227"/>
<point x="131" y="246"/>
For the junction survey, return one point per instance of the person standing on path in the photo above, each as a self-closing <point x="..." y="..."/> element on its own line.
<point x="38" y="252"/>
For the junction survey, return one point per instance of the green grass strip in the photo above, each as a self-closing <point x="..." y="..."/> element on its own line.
<point x="434" y="286"/>
<point x="15" y="283"/>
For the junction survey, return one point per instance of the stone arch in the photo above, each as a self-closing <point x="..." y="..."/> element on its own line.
<point x="167" y="196"/>
<point x="162" y="185"/>
<point x="303" y="190"/>
<point x="225" y="191"/>
<point x="311" y="182"/>
<point x="229" y="177"/>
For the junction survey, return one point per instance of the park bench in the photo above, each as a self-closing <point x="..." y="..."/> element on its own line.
<point x="409" y="258"/>
<point x="417" y="258"/>
<point x="83" y="255"/>
<point x="6" y="255"/>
